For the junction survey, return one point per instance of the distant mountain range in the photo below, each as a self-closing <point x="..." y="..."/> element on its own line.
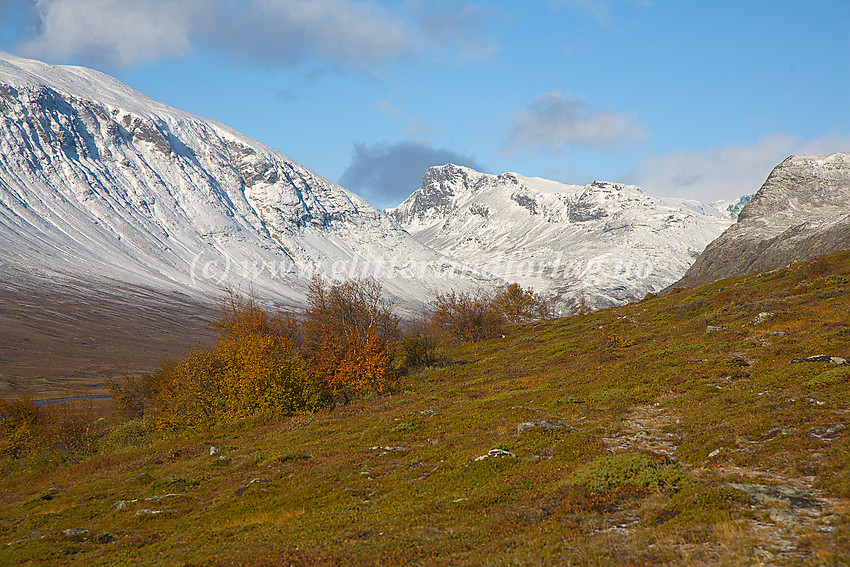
<point x="802" y="211"/>
<point x="102" y="185"/>
<point x="587" y="246"/>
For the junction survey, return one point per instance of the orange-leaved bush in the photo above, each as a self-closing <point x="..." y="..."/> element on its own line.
<point x="21" y="423"/>
<point x="349" y="336"/>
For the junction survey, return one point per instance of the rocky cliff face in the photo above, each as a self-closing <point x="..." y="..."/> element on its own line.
<point x="802" y="211"/>
<point x="599" y="245"/>
<point x="100" y="182"/>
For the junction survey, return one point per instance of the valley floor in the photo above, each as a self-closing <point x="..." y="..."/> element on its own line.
<point x="61" y="338"/>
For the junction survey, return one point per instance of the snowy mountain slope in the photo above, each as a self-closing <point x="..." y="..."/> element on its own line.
<point x="605" y="242"/>
<point x="801" y="211"/>
<point x="101" y="182"/>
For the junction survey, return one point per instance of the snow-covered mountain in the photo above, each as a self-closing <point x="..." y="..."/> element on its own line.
<point x="102" y="183"/>
<point x="801" y="211"/>
<point x="602" y="244"/>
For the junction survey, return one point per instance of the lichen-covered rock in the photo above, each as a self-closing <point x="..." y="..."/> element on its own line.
<point x="781" y="494"/>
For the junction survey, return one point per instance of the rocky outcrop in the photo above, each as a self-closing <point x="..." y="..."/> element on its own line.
<point x="802" y="211"/>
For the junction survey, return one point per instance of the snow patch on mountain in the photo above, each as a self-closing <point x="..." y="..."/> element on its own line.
<point x="101" y="182"/>
<point x="594" y="245"/>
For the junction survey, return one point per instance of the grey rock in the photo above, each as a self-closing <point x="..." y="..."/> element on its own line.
<point x="427" y="412"/>
<point x="835" y="428"/>
<point x="495" y="453"/>
<point x="169" y="496"/>
<point x="822" y="358"/>
<point x="149" y="512"/>
<point x="384" y="450"/>
<point x="826" y="432"/>
<point x="221" y="462"/>
<point x="82" y="534"/>
<point x="781" y="494"/>
<point x="715" y="329"/>
<point x="760" y="318"/>
<point x="240" y="491"/>
<point x="122" y="504"/>
<point x="775" y="432"/>
<point x="782" y="516"/>
<point x="546" y="425"/>
<point x="213" y="450"/>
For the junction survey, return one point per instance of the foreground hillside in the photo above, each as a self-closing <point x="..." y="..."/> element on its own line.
<point x="675" y="430"/>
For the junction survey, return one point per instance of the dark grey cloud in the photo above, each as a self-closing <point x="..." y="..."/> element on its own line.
<point x="386" y="174"/>
<point x="558" y="120"/>
<point x="350" y="33"/>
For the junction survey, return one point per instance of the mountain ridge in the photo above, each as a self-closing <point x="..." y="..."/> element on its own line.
<point x="801" y="211"/>
<point x="129" y="189"/>
<point x="591" y="245"/>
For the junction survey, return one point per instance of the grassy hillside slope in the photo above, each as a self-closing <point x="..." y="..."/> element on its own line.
<point x="675" y="430"/>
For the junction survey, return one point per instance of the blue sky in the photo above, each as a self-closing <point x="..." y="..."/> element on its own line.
<point x="689" y="99"/>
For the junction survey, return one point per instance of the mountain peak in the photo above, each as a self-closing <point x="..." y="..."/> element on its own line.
<point x="800" y="183"/>
<point x="801" y="211"/>
<point x="608" y="242"/>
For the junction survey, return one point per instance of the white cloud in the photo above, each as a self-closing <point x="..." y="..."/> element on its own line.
<point x="115" y="31"/>
<point x="354" y="33"/>
<point x="727" y="173"/>
<point x="557" y="120"/>
<point x="289" y="31"/>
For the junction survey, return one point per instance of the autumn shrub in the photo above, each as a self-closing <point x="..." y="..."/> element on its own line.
<point x="70" y="428"/>
<point x="254" y="367"/>
<point x="418" y="346"/>
<point x="130" y="395"/>
<point x="518" y="305"/>
<point x="349" y="335"/>
<point x="21" y="425"/>
<point x="469" y="317"/>
<point x="130" y="433"/>
<point x="62" y="429"/>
